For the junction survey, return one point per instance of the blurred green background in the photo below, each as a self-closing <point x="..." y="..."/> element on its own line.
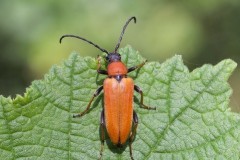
<point x="201" y="31"/>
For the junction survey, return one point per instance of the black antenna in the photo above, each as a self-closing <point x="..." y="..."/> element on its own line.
<point x="121" y="35"/>
<point x="69" y="35"/>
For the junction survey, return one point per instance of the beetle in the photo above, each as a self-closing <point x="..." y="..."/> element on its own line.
<point x="118" y="116"/>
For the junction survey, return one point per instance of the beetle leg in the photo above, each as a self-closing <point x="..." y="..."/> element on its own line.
<point x="99" y="66"/>
<point x="138" y="89"/>
<point x="102" y="72"/>
<point x="133" y="133"/>
<point x="97" y="92"/>
<point x="136" y="67"/>
<point x="102" y="125"/>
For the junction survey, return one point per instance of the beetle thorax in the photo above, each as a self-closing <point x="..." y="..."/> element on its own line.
<point x="116" y="68"/>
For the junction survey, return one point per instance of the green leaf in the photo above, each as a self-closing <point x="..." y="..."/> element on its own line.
<point x="192" y="120"/>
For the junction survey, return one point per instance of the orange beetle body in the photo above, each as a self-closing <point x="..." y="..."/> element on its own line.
<point x="118" y="108"/>
<point x="118" y="115"/>
<point x="118" y="103"/>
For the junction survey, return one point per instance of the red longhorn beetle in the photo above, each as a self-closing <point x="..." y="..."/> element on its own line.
<point x="118" y="115"/>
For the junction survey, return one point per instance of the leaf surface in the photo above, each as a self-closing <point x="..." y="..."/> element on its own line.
<point x="192" y="120"/>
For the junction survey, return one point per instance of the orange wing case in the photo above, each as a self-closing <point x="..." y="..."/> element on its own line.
<point x="118" y="108"/>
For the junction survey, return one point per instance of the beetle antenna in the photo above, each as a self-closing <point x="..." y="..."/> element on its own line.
<point x="124" y="28"/>
<point x="69" y="35"/>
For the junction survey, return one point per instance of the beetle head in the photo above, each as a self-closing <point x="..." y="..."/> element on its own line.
<point x="113" y="57"/>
